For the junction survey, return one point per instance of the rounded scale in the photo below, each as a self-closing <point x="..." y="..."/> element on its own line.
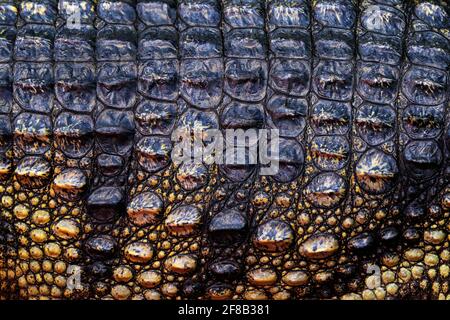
<point x="361" y="243"/>
<point x="246" y="79"/>
<point x="181" y="263"/>
<point x="200" y="12"/>
<point x="183" y="220"/>
<point x="33" y="86"/>
<point x="291" y="77"/>
<point x="6" y="92"/>
<point x="411" y="235"/>
<point x="377" y="82"/>
<point x="34" y="43"/>
<point x="290" y="161"/>
<point x="389" y="235"/>
<point x="326" y="190"/>
<point x="9" y="13"/>
<point x="288" y="114"/>
<point x="116" y="42"/>
<point x="101" y="247"/>
<point x="225" y="269"/>
<point x="145" y="208"/>
<point x="330" y="152"/>
<point x="334" y="79"/>
<point x="331" y="117"/>
<point x="202" y="82"/>
<point x="32" y="132"/>
<point x="383" y="19"/>
<point x="245" y="43"/>
<point x="375" y="123"/>
<point x="6" y="133"/>
<point x="70" y="184"/>
<point x="290" y="43"/>
<point x="158" y="79"/>
<point x="85" y="8"/>
<point x="138" y="252"/>
<point x="423" y="122"/>
<point x="422" y="158"/>
<point x="376" y="171"/>
<point x="153" y="153"/>
<point x="201" y="43"/>
<point x="415" y="211"/>
<point x="424" y="85"/>
<point x="98" y="270"/>
<point x="116" y="84"/>
<point x="75" y="86"/>
<point x="337" y="14"/>
<point x="192" y="175"/>
<point x="238" y="115"/>
<point x="240" y="163"/>
<point x="319" y="246"/>
<point x="198" y="120"/>
<point x="290" y="13"/>
<point x="115" y="131"/>
<point x="105" y="204"/>
<point x="66" y="229"/>
<point x="75" y="44"/>
<point x="228" y="227"/>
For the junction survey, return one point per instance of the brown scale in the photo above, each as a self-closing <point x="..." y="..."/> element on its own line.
<point x="73" y="156"/>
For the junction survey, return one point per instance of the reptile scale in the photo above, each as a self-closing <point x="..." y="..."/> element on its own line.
<point x="94" y="207"/>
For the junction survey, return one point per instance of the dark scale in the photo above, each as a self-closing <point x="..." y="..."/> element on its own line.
<point x="373" y="220"/>
<point x="8" y="235"/>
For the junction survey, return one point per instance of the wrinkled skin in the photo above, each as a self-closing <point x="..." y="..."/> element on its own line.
<point x="93" y="207"/>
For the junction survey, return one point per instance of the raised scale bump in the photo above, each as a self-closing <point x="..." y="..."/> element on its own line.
<point x="98" y="97"/>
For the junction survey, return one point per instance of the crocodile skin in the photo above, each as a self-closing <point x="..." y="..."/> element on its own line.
<point x="95" y="94"/>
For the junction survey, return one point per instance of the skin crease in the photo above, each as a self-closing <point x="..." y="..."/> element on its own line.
<point x="94" y="207"/>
